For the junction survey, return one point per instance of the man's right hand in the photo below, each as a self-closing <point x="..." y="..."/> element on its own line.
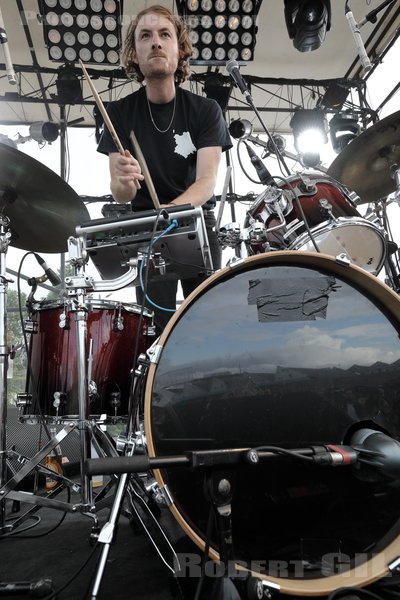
<point x="124" y="170"/>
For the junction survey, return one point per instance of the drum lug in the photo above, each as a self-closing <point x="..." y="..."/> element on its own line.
<point x="342" y="259"/>
<point x="258" y="589"/>
<point x="326" y="210"/>
<point x="24" y="400"/>
<point x="161" y="494"/>
<point x="235" y="262"/>
<point x="63" y="321"/>
<point x="394" y="566"/>
<point x="119" y="321"/>
<point x="30" y="326"/>
<point x="150" y="331"/>
<point x="154" y="354"/>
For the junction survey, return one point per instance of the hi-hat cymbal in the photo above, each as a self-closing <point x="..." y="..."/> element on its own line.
<point x="364" y="165"/>
<point x="43" y="209"/>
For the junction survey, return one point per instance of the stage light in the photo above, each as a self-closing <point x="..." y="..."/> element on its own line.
<point x="307" y="22"/>
<point x="221" y="30"/>
<point x="214" y="88"/>
<point x="68" y="86"/>
<point x="44" y="132"/>
<point x="310" y="134"/>
<point x="343" y="128"/>
<point x="41" y="132"/>
<point x="240" y="129"/>
<point x="89" y="30"/>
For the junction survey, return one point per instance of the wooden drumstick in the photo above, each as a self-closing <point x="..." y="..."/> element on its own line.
<point x="147" y="177"/>
<point x="107" y="120"/>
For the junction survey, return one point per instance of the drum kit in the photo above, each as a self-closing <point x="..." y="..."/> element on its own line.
<point x="272" y="367"/>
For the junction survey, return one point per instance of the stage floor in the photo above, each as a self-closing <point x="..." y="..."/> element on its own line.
<point x="60" y="549"/>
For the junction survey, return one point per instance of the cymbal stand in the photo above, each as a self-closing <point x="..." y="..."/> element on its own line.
<point x="4" y="353"/>
<point x="391" y="265"/>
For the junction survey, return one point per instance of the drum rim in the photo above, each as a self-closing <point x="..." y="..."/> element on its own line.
<point x="378" y="566"/>
<point x="130" y="307"/>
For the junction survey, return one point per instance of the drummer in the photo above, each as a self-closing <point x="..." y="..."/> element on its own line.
<point x="181" y="135"/>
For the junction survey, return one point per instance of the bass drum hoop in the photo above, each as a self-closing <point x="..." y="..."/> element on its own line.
<point x="364" y="574"/>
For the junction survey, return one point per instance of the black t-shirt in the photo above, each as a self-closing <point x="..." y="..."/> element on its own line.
<point x="171" y="155"/>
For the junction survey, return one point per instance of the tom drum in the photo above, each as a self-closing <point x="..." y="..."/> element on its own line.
<point x="113" y="329"/>
<point x="331" y="215"/>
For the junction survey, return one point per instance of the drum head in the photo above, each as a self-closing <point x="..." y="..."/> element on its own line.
<point x="287" y="349"/>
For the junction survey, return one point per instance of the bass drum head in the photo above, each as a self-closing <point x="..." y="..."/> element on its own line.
<point x="286" y="349"/>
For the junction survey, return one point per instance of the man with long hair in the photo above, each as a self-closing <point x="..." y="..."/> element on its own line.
<point x="181" y="136"/>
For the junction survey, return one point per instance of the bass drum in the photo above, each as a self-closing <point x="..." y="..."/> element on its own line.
<point x="289" y="349"/>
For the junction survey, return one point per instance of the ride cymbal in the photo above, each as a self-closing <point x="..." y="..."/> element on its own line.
<point x="43" y="209"/>
<point x="364" y="166"/>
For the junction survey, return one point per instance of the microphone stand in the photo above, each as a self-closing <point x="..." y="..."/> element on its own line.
<point x="4" y="353"/>
<point x="7" y="57"/>
<point x="277" y="151"/>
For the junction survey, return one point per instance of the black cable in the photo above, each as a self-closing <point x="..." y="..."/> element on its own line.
<point x="29" y="373"/>
<point x="204" y="558"/>
<point x="283" y="451"/>
<point x="360" y="592"/>
<point x="133" y="406"/>
<point x="54" y="594"/>
<point x="56" y="526"/>
<point x="241" y="164"/>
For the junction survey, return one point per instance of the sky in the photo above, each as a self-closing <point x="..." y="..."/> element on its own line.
<point x="88" y="172"/>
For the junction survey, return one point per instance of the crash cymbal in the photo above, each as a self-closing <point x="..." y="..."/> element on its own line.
<point x="364" y="165"/>
<point x="43" y="209"/>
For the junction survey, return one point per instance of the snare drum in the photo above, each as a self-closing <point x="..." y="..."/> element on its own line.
<point x="326" y="206"/>
<point x="289" y="349"/>
<point x="112" y="331"/>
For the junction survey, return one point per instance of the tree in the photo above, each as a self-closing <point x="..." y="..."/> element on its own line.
<point x="15" y="341"/>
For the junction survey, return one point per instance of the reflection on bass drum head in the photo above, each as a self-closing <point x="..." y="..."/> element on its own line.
<point x="326" y="206"/>
<point x="288" y="349"/>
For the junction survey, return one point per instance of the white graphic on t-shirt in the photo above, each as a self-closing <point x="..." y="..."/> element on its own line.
<point x="184" y="145"/>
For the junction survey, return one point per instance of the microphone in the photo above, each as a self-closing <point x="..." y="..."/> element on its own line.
<point x="355" y="30"/>
<point x="51" y="275"/>
<point x="262" y="171"/>
<point x="233" y="69"/>
<point x="377" y="450"/>
<point x="7" y="58"/>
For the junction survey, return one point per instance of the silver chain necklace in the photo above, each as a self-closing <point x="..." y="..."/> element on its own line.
<point x="152" y="120"/>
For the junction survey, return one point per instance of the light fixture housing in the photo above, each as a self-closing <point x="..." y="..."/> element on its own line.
<point x="240" y="129"/>
<point x="46" y="131"/>
<point x="309" y="128"/>
<point x="89" y="30"/>
<point x="68" y="86"/>
<point x="307" y="22"/>
<point x="343" y="128"/>
<point x="221" y="30"/>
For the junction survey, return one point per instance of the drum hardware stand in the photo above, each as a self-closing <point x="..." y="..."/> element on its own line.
<point x="77" y="287"/>
<point x="81" y="283"/>
<point x="128" y="483"/>
<point x="5" y="236"/>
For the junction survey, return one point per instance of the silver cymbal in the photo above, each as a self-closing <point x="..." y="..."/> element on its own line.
<point x="43" y="209"/>
<point x="364" y="166"/>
